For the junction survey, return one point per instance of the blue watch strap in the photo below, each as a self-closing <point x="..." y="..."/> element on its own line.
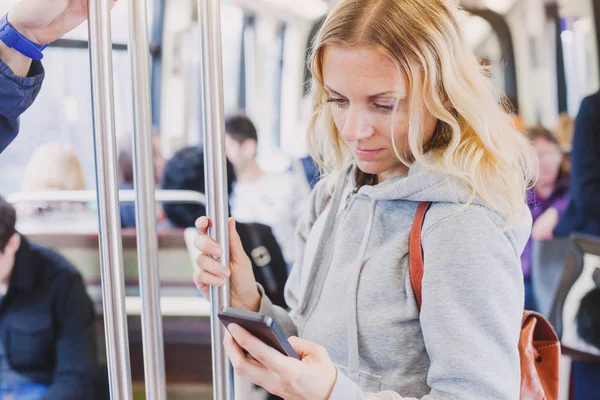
<point x="13" y="39"/>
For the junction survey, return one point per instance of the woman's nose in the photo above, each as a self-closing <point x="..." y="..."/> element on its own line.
<point x="357" y="126"/>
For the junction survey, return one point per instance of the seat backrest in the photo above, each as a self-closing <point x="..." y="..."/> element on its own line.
<point x="547" y="260"/>
<point x="82" y="250"/>
<point x="581" y="274"/>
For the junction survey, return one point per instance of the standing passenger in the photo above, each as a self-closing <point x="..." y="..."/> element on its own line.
<point x="38" y="22"/>
<point x="403" y="114"/>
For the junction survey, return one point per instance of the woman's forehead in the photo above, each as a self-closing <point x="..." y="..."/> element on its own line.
<point x="361" y="69"/>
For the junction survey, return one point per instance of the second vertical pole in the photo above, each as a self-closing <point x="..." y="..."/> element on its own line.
<point x="209" y="18"/>
<point x="147" y="242"/>
<point x="111" y="252"/>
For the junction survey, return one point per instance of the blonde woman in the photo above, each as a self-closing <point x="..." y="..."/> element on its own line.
<point x="55" y="166"/>
<point x="402" y="113"/>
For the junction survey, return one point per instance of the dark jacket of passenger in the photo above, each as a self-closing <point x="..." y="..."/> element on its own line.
<point x="47" y="323"/>
<point x="583" y="212"/>
<point x="16" y="95"/>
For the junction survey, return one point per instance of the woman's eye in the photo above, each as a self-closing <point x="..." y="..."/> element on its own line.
<point x="384" y="108"/>
<point x="337" y="102"/>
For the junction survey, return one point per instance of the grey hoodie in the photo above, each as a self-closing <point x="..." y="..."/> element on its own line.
<point x="350" y="291"/>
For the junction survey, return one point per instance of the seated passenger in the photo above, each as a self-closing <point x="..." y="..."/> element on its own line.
<point x="276" y="200"/>
<point x="547" y="200"/>
<point x="47" y="322"/>
<point x="185" y="171"/>
<point x="126" y="168"/>
<point x="55" y="166"/>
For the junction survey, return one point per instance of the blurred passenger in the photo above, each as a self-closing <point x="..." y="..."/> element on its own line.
<point x="403" y="115"/>
<point x="273" y="199"/>
<point x="564" y="131"/>
<point x="126" y="168"/>
<point x="55" y="167"/>
<point x="547" y="200"/>
<point x="185" y="171"/>
<point x="40" y="22"/>
<point x="583" y="213"/>
<point x="47" y="322"/>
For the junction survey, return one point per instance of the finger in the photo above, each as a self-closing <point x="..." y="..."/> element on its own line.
<point x="245" y="366"/>
<point x="272" y="359"/>
<point x="202" y="224"/>
<point x="208" y="246"/>
<point x="207" y="279"/>
<point x="212" y="266"/>
<point x="236" y="249"/>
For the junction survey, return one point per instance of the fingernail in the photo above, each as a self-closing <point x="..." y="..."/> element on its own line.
<point x="233" y="328"/>
<point x="227" y="273"/>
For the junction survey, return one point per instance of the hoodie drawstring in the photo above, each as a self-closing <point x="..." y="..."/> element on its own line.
<point x="352" y="295"/>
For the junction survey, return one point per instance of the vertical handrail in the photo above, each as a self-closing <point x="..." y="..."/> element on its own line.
<point x="144" y="177"/>
<point x="209" y="18"/>
<point x="111" y="252"/>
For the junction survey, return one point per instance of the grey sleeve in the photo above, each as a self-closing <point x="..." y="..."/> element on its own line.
<point x="471" y="313"/>
<point x="472" y="308"/>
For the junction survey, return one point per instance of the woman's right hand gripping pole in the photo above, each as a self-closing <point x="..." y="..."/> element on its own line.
<point x="208" y="271"/>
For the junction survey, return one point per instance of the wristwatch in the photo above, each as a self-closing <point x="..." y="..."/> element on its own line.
<point x="13" y="39"/>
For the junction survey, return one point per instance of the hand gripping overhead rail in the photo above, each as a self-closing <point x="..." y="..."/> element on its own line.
<point x="108" y="198"/>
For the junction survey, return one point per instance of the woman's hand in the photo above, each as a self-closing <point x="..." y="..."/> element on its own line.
<point x="210" y="272"/>
<point x="313" y="378"/>
<point x="545" y="224"/>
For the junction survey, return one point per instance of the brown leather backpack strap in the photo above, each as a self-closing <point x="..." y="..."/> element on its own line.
<point x="415" y="252"/>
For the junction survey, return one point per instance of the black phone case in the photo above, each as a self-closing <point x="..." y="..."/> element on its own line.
<point x="264" y="328"/>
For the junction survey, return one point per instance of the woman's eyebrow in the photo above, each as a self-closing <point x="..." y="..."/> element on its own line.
<point x="370" y="97"/>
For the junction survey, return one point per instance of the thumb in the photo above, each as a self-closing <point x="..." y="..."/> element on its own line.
<point x="306" y="349"/>
<point x="236" y="249"/>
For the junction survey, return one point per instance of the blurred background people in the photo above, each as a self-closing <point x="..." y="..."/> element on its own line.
<point x="274" y="199"/>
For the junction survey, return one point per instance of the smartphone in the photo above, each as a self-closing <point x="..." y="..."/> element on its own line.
<point x="264" y="328"/>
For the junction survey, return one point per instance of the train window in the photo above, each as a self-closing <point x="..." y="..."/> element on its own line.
<point x="578" y="40"/>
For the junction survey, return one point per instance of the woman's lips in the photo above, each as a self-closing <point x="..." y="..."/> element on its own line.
<point x="366" y="154"/>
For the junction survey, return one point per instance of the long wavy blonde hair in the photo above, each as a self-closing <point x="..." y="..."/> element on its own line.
<point x="474" y="140"/>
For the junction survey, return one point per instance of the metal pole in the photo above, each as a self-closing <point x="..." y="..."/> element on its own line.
<point x="147" y="242"/>
<point x="209" y="17"/>
<point x="111" y="252"/>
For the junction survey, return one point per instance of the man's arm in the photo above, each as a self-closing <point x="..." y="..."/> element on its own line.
<point x="76" y="362"/>
<point x="42" y="22"/>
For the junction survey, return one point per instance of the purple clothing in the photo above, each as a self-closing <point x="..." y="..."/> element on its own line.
<point x="559" y="199"/>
